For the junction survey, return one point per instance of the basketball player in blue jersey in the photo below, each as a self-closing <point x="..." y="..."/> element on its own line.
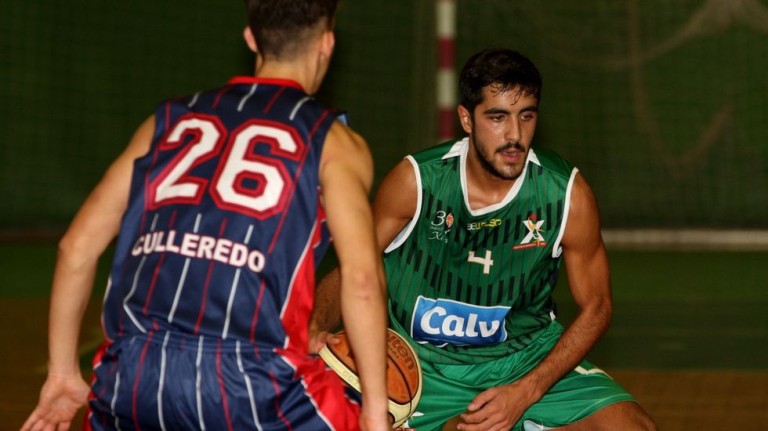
<point x="223" y="203"/>
<point x="473" y="234"/>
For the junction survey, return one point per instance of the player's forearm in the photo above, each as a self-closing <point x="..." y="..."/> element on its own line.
<point x="363" y="307"/>
<point x="577" y="340"/>
<point x="72" y="286"/>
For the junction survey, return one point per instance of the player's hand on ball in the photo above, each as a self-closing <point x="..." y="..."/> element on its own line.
<point x="318" y="339"/>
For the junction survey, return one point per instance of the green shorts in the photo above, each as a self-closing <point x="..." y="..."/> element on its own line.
<point x="448" y="389"/>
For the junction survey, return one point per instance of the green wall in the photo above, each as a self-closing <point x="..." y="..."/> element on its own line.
<point x="662" y="105"/>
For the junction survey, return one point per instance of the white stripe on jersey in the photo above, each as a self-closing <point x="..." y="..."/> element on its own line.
<point x="235" y="281"/>
<point x="198" y="394"/>
<point x="194" y="100"/>
<point x="130" y="294"/>
<point x="298" y="105"/>
<point x="246" y="97"/>
<point x="162" y="384"/>
<point x="183" y="276"/>
<point x="135" y="283"/>
<point x="114" y="400"/>
<point x="248" y="386"/>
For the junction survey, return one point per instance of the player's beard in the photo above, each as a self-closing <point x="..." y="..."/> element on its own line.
<point x="486" y="160"/>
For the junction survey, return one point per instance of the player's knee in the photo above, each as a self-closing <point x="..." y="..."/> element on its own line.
<point x="646" y="423"/>
<point x="642" y="421"/>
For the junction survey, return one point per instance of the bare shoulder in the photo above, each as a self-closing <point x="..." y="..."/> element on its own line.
<point x="583" y="225"/>
<point x="400" y="180"/>
<point x="396" y="201"/>
<point x="343" y="141"/>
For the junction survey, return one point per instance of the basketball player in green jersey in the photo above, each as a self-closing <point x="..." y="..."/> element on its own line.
<point x="473" y="234"/>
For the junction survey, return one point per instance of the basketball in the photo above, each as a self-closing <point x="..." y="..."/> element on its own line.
<point x="404" y="379"/>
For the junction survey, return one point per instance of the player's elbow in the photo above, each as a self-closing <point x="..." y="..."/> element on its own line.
<point x="602" y="311"/>
<point x="599" y="311"/>
<point x="363" y="284"/>
<point x="75" y="251"/>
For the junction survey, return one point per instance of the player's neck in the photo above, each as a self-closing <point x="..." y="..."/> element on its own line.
<point x="483" y="187"/>
<point x="308" y="71"/>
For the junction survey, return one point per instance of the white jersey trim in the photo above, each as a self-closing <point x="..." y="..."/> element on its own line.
<point x="557" y="249"/>
<point x="511" y="194"/>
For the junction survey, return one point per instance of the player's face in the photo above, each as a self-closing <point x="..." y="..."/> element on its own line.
<point x="501" y="130"/>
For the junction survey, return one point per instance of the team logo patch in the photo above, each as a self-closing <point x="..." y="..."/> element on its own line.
<point x="440" y="226"/>
<point x="534" y="238"/>
<point x="443" y="321"/>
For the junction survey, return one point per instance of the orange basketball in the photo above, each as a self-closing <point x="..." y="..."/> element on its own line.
<point x="404" y="379"/>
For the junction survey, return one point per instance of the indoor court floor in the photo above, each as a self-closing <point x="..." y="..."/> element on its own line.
<point x="694" y="352"/>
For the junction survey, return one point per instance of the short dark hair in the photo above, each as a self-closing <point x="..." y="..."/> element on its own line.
<point x="504" y="67"/>
<point x="281" y="27"/>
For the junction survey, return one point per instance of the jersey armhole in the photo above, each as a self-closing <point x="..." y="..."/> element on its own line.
<point x="406" y="232"/>
<point x="557" y="250"/>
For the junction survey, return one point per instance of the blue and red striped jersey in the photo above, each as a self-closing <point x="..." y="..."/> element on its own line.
<point x="224" y="226"/>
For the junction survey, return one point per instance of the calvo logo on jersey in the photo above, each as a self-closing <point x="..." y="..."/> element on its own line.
<point x="444" y="321"/>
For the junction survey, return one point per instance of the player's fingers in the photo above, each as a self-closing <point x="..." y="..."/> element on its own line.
<point x="320" y="339"/>
<point x="481" y="399"/>
<point x="64" y="426"/>
<point x="31" y="421"/>
<point x="467" y="426"/>
<point x="473" y="418"/>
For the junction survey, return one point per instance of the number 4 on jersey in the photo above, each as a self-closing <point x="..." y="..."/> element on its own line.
<point x="486" y="261"/>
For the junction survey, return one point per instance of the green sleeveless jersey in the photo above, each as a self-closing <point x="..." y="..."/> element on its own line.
<point x="471" y="285"/>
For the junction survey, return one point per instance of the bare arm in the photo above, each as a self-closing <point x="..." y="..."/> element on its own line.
<point x="586" y="263"/>
<point x="92" y="229"/>
<point x="393" y="206"/>
<point x="346" y="176"/>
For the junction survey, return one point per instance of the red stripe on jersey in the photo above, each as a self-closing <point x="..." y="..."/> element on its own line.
<point x="156" y="274"/>
<point x="301" y="298"/>
<point x="220" y="94"/>
<point x="274" y="99"/>
<point x="278" y="410"/>
<point x="152" y="283"/>
<point x="250" y="80"/>
<point x="224" y="403"/>
<point x="256" y="313"/>
<point x="96" y="362"/>
<point x="207" y="284"/>
<point x="291" y="192"/>
<point x="317" y="124"/>
<point x="327" y="391"/>
<point x="138" y="379"/>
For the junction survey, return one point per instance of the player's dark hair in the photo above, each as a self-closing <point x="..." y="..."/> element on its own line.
<point x="503" y="67"/>
<point x="281" y="27"/>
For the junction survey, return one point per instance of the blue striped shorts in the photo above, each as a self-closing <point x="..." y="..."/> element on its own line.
<point x="168" y="381"/>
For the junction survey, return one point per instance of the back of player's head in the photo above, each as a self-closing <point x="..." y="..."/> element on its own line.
<point x="503" y="67"/>
<point x="281" y="28"/>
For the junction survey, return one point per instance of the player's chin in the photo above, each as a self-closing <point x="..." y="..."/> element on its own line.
<point x="511" y="172"/>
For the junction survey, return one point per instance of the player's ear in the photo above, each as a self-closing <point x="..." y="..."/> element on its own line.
<point x="250" y="40"/>
<point x="465" y="118"/>
<point x="327" y="43"/>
